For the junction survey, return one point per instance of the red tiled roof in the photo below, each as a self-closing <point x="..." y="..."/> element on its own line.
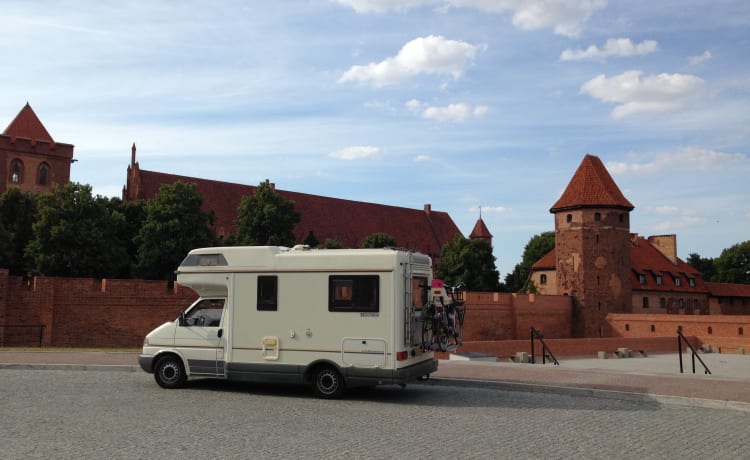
<point x="480" y="230"/>
<point x="591" y="186"/>
<point x="347" y="221"/>
<point x="547" y="262"/>
<point x="27" y="125"/>
<point x="646" y="260"/>
<point x="728" y="289"/>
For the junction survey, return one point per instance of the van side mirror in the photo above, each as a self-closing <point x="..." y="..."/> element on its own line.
<point x="181" y="319"/>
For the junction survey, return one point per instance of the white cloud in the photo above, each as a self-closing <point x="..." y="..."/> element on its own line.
<point x="420" y="158"/>
<point x="424" y="55"/>
<point x="695" y="60"/>
<point x="636" y="93"/>
<point x="453" y="112"/>
<point x="618" y="47"/>
<point x="489" y="209"/>
<point x="564" y="16"/>
<point x="355" y="152"/>
<point x="693" y="158"/>
<point x="666" y="210"/>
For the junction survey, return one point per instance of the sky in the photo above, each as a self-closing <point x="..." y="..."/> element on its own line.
<point x="467" y="105"/>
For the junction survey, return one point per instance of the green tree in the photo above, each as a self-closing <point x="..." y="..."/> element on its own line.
<point x="733" y="264"/>
<point x="266" y="218"/>
<point x="17" y="216"/>
<point x="75" y="234"/>
<point x="330" y="243"/>
<point x="470" y="262"/>
<point x="174" y="224"/>
<point x="535" y="249"/>
<point x="705" y="265"/>
<point x="135" y="214"/>
<point x="379" y="240"/>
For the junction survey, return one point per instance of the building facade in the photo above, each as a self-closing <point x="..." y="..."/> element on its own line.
<point x="29" y="158"/>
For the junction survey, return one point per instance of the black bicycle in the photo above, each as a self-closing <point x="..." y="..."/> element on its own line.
<point x="443" y="319"/>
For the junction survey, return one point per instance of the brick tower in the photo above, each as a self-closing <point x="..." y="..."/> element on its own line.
<point x="29" y="158"/>
<point x="592" y="247"/>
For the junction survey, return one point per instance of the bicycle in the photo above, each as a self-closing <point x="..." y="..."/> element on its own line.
<point x="443" y="317"/>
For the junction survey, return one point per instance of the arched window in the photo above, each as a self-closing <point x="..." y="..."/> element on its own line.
<point x="16" y="171"/>
<point x="43" y="174"/>
<point x="543" y="279"/>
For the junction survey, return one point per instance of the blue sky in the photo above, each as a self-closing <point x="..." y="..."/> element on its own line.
<point x="458" y="103"/>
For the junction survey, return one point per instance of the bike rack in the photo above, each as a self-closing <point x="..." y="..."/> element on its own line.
<point x="680" y="338"/>
<point x="545" y="349"/>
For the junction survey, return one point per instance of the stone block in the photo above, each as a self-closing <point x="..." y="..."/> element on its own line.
<point x="522" y="357"/>
<point x="602" y="355"/>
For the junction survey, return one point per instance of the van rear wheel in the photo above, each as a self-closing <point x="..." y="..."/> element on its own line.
<point x="327" y="382"/>
<point x="169" y="372"/>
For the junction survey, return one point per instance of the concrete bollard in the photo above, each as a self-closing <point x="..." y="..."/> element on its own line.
<point x="602" y="355"/>
<point x="522" y="357"/>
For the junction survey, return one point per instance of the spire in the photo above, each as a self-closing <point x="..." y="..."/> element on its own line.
<point x="591" y="186"/>
<point x="27" y="125"/>
<point x="480" y="231"/>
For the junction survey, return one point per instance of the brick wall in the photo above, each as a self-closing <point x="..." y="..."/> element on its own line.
<point x="720" y="331"/>
<point x="83" y="312"/>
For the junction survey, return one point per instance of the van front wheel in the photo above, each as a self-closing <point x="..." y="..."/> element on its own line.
<point x="169" y="372"/>
<point x="327" y="382"/>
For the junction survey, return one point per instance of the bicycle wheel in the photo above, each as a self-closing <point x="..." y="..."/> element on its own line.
<point x="443" y="337"/>
<point x="428" y="333"/>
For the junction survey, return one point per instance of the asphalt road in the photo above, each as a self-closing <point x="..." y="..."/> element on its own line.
<point x="100" y="414"/>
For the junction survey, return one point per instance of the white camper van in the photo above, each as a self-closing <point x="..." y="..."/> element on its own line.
<point x="330" y="318"/>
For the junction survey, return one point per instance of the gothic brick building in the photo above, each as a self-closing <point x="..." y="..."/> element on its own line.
<point x="29" y="158"/>
<point x="347" y="221"/>
<point x="606" y="269"/>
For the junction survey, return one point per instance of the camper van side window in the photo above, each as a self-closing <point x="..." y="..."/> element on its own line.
<point x="268" y="293"/>
<point x="353" y="293"/>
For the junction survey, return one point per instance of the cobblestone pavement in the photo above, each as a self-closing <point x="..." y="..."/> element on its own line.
<point x="99" y="414"/>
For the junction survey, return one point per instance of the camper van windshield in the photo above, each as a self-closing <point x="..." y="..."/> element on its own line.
<point x="204" y="260"/>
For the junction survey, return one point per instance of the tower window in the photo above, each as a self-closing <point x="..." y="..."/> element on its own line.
<point x="622" y="218"/>
<point x="43" y="174"/>
<point x="16" y="171"/>
<point x="645" y="302"/>
<point x="543" y="279"/>
<point x="569" y="218"/>
<point x="663" y="302"/>
<point x="597" y="216"/>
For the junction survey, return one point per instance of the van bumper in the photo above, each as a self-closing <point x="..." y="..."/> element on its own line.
<point x="358" y="376"/>
<point x="147" y="363"/>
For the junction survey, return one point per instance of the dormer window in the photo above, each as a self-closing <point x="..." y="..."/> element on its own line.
<point x="659" y="280"/>
<point x="677" y="281"/>
<point x="642" y="279"/>
<point x="691" y="282"/>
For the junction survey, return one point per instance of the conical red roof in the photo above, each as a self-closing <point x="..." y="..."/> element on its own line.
<point x="591" y="186"/>
<point x="480" y="230"/>
<point x="27" y="125"/>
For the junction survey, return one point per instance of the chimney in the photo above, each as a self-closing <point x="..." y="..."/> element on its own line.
<point x="428" y="210"/>
<point x="667" y="245"/>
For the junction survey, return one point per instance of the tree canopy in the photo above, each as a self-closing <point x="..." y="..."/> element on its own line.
<point x="76" y="234"/>
<point x="535" y="249"/>
<point x="266" y="218"/>
<point x="733" y="264"/>
<point x="17" y="216"/>
<point x="174" y="224"/>
<point x="379" y="240"/>
<point x="470" y="262"/>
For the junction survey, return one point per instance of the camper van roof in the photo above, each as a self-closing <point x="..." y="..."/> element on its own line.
<point x="230" y="258"/>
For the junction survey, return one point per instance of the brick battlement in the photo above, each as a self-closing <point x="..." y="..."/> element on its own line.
<point x="25" y="145"/>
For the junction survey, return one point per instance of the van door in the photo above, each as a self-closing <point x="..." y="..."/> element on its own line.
<point x="200" y="336"/>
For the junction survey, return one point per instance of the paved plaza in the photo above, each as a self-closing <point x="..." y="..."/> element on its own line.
<point x="105" y="414"/>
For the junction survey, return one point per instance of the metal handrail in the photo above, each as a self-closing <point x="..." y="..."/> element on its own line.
<point x="545" y="349"/>
<point x="40" y="326"/>
<point x="680" y="338"/>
